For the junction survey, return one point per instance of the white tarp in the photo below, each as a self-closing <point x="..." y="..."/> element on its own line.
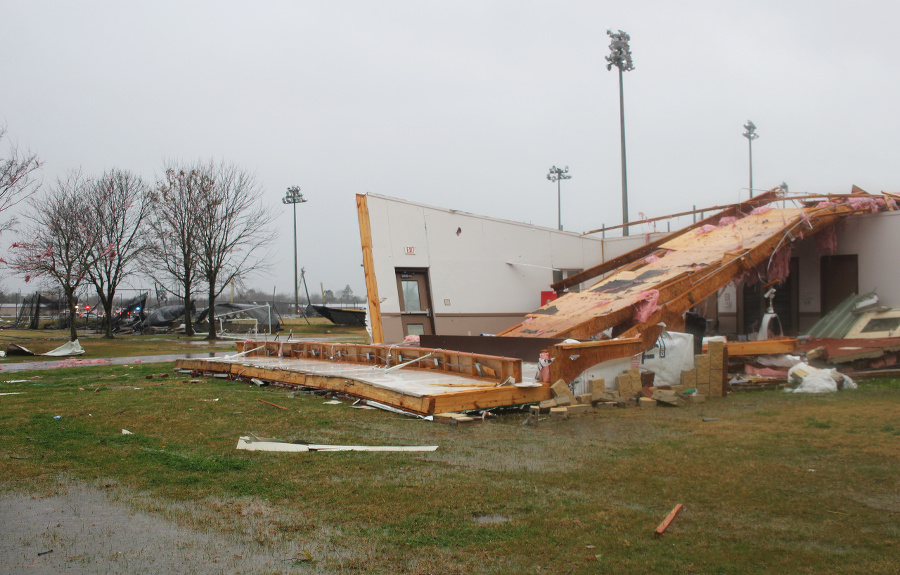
<point x="672" y="353"/>
<point x="813" y="380"/>
<point x="68" y="348"/>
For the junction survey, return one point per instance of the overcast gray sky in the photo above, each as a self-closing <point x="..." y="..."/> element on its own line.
<point x="463" y="104"/>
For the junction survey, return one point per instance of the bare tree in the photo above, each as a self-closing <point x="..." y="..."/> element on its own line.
<point x="17" y="181"/>
<point x="232" y="229"/>
<point x="173" y="224"/>
<point x="119" y="204"/>
<point x="59" y="240"/>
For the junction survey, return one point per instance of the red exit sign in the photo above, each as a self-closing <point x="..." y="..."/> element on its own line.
<point x="411" y="250"/>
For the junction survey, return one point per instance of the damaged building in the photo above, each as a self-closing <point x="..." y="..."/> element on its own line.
<point x="581" y="309"/>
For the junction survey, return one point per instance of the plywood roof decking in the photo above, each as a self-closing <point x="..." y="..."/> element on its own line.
<point x="690" y="267"/>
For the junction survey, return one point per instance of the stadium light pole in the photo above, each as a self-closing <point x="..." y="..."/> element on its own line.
<point x="557" y="175"/>
<point x="751" y="135"/>
<point x="294" y="197"/>
<point x="620" y="57"/>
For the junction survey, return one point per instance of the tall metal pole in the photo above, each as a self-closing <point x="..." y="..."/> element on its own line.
<point x="624" y="163"/>
<point x="751" y="135"/>
<point x="294" y="197"/>
<point x="620" y="57"/>
<point x="558" y="175"/>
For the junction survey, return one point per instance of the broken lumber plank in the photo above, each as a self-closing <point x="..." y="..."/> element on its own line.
<point x="571" y="359"/>
<point x="270" y="403"/>
<point x="668" y="520"/>
<point x="762" y="347"/>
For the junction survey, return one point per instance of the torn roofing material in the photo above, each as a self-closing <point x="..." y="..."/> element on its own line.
<point x="660" y="284"/>
<point x="838" y="322"/>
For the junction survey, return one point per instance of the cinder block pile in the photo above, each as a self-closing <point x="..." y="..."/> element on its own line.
<point x="710" y="374"/>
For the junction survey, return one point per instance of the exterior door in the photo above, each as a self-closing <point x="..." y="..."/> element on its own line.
<point x="839" y="279"/>
<point x="416" y="311"/>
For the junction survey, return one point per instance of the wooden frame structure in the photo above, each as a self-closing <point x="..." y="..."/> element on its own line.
<point x="486" y="377"/>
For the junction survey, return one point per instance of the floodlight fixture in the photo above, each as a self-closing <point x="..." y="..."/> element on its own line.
<point x="294" y="197"/>
<point x="557" y="175"/>
<point x="620" y="57"/>
<point x="751" y="135"/>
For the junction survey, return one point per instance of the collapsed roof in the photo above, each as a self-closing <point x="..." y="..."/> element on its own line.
<point x="664" y="279"/>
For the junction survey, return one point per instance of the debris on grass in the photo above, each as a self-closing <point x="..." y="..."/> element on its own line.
<point x="270" y="403"/>
<point x="668" y="520"/>
<point x="257" y="444"/>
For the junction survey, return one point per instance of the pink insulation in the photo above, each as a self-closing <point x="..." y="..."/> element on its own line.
<point x="760" y="210"/>
<point x="705" y="229"/>
<point x="651" y="259"/>
<point x="647" y="306"/>
<point x="727" y="221"/>
<point x="826" y="241"/>
<point x="867" y="204"/>
<point x="780" y="265"/>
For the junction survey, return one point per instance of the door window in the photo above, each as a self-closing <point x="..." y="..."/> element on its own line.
<point x="411" y="298"/>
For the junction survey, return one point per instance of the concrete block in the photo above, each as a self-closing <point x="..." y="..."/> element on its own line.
<point x="605" y="405"/>
<point x="603" y="396"/>
<point x="534" y="410"/>
<point x="597" y="385"/>
<point x="701" y="362"/>
<point x="548" y="404"/>
<point x="560" y="388"/>
<point x="647" y="402"/>
<point x="580" y="408"/>
<point x="563" y="400"/>
<point x="584" y="399"/>
<point x="445" y="417"/>
<point x="560" y="412"/>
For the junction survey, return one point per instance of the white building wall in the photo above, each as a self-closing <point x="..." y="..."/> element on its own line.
<point x="485" y="274"/>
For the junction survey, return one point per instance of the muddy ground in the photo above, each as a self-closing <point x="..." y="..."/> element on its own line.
<point x="96" y="529"/>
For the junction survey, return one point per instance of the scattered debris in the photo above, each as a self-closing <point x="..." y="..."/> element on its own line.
<point x="126" y="432"/>
<point x="256" y="444"/>
<point x="668" y="520"/>
<point x="813" y="380"/>
<point x="269" y="403"/>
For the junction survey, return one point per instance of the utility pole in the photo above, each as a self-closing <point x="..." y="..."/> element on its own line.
<point x="751" y="135"/>
<point x="620" y="57"/>
<point x="557" y="175"/>
<point x="294" y="197"/>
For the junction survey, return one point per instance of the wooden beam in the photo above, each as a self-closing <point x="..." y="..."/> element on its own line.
<point x="762" y="347"/>
<point x="571" y="359"/>
<point x="365" y="238"/>
<point x="668" y="520"/>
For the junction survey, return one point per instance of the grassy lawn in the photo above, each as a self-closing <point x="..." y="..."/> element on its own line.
<point x="771" y="482"/>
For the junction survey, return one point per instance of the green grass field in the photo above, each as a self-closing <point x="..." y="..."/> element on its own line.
<point x="771" y="482"/>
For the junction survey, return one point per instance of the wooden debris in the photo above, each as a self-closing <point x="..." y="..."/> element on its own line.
<point x="668" y="520"/>
<point x="269" y="403"/>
